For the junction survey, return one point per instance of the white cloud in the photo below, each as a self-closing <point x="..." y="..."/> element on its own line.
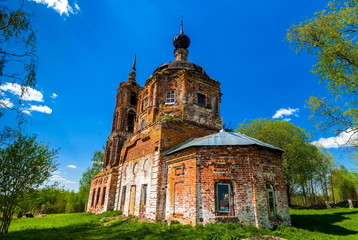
<point x="56" y="172"/>
<point x="346" y="138"/>
<point x="40" y="108"/>
<point x="71" y="166"/>
<point x="60" y="6"/>
<point x="6" y="103"/>
<point x="287" y="119"/>
<point x="286" y="112"/>
<point x="26" y="93"/>
<point x="26" y="112"/>
<point x="54" y="95"/>
<point x="60" y="179"/>
<point x="77" y="7"/>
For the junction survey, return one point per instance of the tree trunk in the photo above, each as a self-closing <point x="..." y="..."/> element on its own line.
<point x="288" y="194"/>
<point x="313" y="193"/>
<point x="304" y="194"/>
<point x="5" y="221"/>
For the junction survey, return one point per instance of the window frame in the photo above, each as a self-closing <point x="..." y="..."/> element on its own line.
<point x="271" y="199"/>
<point x="218" y="200"/>
<point x="201" y="100"/>
<point x="170" y="97"/>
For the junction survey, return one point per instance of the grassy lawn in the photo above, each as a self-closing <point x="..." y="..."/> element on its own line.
<point x="308" y="224"/>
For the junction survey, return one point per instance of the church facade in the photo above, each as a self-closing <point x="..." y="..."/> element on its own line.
<point x="168" y="159"/>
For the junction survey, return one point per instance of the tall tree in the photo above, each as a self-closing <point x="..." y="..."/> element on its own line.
<point x="300" y="158"/>
<point x="18" y="61"/>
<point x="85" y="182"/>
<point x="25" y="164"/>
<point x="331" y="35"/>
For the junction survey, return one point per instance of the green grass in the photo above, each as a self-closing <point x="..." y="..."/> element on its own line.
<point x="308" y="224"/>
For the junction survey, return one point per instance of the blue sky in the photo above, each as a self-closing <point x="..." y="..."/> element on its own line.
<point x="86" y="49"/>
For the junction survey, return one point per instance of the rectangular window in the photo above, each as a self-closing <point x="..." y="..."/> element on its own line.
<point x="271" y="201"/>
<point x="170" y="97"/>
<point x="223" y="197"/>
<point x="201" y="100"/>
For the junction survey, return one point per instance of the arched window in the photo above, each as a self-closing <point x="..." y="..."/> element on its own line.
<point x="130" y="121"/>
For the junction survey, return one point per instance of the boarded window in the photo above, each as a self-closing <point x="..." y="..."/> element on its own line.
<point x="201" y="100"/>
<point x="223" y="197"/>
<point x="132" y="200"/>
<point x="179" y="199"/>
<point x="123" y="199"/>
<point x="143" y="199"/>
<point x="271" y="200"/>
<point x="170" y="97"/>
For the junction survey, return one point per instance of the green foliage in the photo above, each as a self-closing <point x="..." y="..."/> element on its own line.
<point x="169" y="117"/>
<point x="302" y="161"/>
<point x="331" y="36"/>
<point x="18" y="61"/>
<point x="308" y="224"/>
<point x="85" y="182"/>
<point x="25" y="164"/>
<point x="345" y="184"/>
<point x="51" y="200"/>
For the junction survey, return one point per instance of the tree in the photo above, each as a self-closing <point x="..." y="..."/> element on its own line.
<point x="300" y="158"/>
<point x="25" y="164"/>
<point x="345" y="184"/>
<point x="18" y="61"/>
<point x="85" y="182"/>
<point x="331" y="36"/>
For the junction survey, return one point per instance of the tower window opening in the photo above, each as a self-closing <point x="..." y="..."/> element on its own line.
<point x="201" y="100"/>
<point x="133" y="99"/>
<point x="170" y="97"/>
<point x="130" y="121"/>
<point x="271" y="200"/>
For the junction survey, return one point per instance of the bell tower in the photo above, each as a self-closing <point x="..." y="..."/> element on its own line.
<point x="123" y="118"/>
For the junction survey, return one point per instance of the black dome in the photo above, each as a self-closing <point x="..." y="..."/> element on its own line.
<point x="181" y="41"/>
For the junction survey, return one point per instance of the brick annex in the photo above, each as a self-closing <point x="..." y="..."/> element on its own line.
<point x="168" y="159"/>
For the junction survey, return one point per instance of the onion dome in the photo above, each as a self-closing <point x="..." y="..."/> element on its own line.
<point x="181" y="40"/>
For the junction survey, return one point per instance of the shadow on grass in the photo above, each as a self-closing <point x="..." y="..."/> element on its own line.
<point x="323" y="223"/>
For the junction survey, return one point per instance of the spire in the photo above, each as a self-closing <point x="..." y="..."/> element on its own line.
<point x="134" y="63"/>
<point x="132" y="73"/>
<point x="181" y="25"/>
<point x="181" y="43"/>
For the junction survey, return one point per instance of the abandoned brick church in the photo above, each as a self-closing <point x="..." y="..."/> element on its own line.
<point x="168" y="158"/>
